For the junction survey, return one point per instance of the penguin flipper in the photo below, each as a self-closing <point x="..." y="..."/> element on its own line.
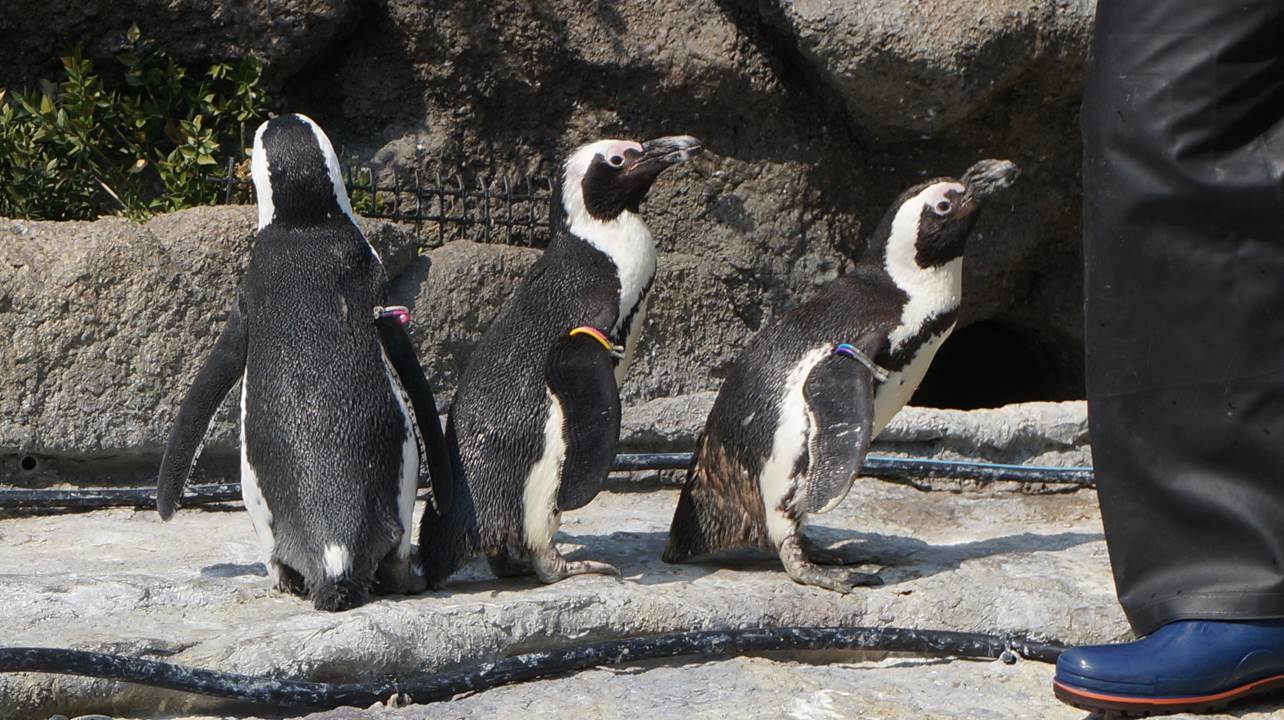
<point x="224" y="366"/>
<point x="401" y="354"/>
<point x="581" y="377"/>
<point x="839" y="394"/>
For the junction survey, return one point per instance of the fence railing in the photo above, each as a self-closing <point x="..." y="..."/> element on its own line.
<point x="514" y="211"/>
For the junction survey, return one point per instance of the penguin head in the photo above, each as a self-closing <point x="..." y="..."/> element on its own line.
<point x="608" y="178"/>
<point x="296" y="173"/>
<point x="929" y="223"/>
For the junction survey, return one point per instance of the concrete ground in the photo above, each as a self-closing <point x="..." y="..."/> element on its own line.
<point x="192" y="591"/>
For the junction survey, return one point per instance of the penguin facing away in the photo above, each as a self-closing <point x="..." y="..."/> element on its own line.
<point x="338" y="423"/>
<point x="535" y="421"/>
<point x="792" y="422"/>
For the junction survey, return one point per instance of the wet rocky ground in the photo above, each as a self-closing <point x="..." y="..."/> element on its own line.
<point x="1000" y="559"/>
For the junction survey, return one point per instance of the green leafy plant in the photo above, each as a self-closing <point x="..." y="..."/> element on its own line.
<point x="139" y="140"/>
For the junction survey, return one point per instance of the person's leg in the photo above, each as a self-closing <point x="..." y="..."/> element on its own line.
<point x="1183" y="121"/>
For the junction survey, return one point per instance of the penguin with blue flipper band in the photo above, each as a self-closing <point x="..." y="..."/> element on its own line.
<point x="535" y="422"/>
<point x="338" y="424"/>
<point x="793" y="420"/>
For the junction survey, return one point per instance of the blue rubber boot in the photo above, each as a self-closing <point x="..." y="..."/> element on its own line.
<point x="1184" y="666"/>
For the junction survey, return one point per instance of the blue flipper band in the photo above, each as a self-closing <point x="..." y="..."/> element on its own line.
<point x="848" y="350"/>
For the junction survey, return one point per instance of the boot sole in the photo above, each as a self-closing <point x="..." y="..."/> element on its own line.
<point x="1133" y="706"/>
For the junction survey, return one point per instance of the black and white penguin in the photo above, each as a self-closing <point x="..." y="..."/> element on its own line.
<point x="792" y="422"/>
<point x="536" y="418"/>
<point x="338" y="423"/>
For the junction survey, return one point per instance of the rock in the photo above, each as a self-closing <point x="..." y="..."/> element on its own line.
<point x="759" y="220"/>
<point x="110" y="321"/>
<point x="286" y="34"/>
<point x="694" y="328"/>
<point x="691" y="331"/>
<point x="1022" y="434"/>
<point x="665" y="424"/>
<point x="910" y="67"/>
<point x="1003" y="563"/>
<point x="1046" y="434"/>
<point x="793" y="179"/>
<point x="800" y="106"/>
<point x="454" y="303"/>
<point x="803" y="687"/>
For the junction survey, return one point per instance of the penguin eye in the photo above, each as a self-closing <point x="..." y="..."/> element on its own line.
<point x="616" y="160"/>
<point x="943" y="207"/>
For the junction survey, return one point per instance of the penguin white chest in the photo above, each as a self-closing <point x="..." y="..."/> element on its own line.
<point x="634" y="331"/>
<point x="896" y="391"/>
<point x="628" y="244"/>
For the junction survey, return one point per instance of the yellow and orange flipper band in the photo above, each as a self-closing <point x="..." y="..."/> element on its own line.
<point x="596" y="334"/>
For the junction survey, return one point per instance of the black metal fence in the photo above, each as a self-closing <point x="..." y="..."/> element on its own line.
<point x="514" y="211"/>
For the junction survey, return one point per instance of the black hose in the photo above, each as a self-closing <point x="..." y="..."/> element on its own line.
<point x="445" y="685"/>
<point x="893" y="469"/>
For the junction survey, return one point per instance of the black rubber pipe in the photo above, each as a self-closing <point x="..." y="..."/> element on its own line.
<point x="908" y="471"/>
<point x="483" y="676"/>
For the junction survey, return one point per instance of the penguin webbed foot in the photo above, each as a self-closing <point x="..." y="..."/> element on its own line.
<point x="339" y="594"/>
<point x="504" y="565"/>
<point x="806" y="572"/>
<point x="399" y="576"/>
<point x="550" y="567"/>
<point x="286" y="579"/>
<point x="818" y="555"/>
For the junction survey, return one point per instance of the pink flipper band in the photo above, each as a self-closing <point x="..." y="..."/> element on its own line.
<point x="596" y="334"/>
<point x="401" y="312"/>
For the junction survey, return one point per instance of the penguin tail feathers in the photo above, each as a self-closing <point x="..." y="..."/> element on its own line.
<point x="447" y="541"/>
<point x="720" y="506"/>
<point x="684" y="532"/>
<point x="340" y="593"/>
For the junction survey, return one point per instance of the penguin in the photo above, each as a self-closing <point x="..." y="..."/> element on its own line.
<point x="338" y="424"/>
<point x="790" y="426"/>
<point x="535" y="420"/>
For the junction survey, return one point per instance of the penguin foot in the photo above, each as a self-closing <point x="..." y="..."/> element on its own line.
<point x="398" y="576"/>
<point x="504" y="565"/>
<point x="339" y="594"/>
<point x="551" y="567"/>
<point x="836" y="579"/>
<point x="799" y="567"/>
<point x="818" y="555"/>
<point x="286" y="579"/>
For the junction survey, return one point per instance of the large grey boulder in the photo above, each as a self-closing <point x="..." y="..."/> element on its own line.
<point x="454" y="292"/>
<point x="287" y="34"/>
<point x="692" y="328"/>
<point x="1039" y="433"/>
<point x="916" y="67"/>
<point x="109" y="322"/>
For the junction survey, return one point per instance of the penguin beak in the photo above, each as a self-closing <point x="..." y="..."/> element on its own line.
<point x="988" y="177"/>
<point x="662" y="153"/>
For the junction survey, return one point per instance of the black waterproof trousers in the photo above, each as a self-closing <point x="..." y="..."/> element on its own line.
<point x="1183" y="123"/>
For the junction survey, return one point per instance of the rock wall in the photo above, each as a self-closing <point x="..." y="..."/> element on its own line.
<point x="110" y="321"/>
<point x="815" y="115"/>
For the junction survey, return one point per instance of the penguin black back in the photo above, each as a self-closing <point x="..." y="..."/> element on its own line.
<point x="331" y="448"/>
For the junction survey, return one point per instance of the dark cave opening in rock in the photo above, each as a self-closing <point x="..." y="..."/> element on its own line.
<point x="992" y="363"/>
